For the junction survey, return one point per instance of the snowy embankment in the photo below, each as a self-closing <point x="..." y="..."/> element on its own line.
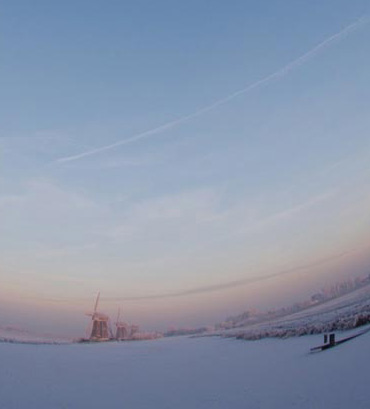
<point x="344" y="313"/>
<point x="21" y="336"/>
<point x="186" y="373"/>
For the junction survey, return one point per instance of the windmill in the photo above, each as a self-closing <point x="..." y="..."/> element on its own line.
<point x="122" y="329"/>
<point x="134" y="329"/>
<point x="100" y="329"/>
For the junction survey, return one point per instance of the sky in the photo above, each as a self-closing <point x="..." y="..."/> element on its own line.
<point x="189" y="160"/>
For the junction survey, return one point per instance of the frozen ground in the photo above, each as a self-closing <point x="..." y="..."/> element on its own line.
<point x="177" y="373"/>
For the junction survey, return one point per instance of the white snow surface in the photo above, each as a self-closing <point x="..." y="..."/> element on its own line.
<point x="181" y="372"/>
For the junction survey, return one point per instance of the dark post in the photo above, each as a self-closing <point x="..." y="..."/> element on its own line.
<point x="325" y="338"/>
<point x="332" y="340"/>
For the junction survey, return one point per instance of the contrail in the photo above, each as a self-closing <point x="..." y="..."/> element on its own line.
<point x="236" y="283"/>
<point x="221" y="286"/>
<point x="277" y="74"/>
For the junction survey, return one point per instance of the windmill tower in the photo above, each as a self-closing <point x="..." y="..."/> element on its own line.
<point x="122" y="329"/>
<point x="100" y="328"/>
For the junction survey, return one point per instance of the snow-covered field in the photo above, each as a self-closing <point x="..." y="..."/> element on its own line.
<point x="177" y="373"/>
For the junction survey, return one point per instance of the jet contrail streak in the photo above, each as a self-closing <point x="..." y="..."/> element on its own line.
<point x="236" y="283"/>
<point x="222" y="286"/>
<point x="277" y="74"/>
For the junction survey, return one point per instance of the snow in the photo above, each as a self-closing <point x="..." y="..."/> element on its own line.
<point x="183" y="372"/>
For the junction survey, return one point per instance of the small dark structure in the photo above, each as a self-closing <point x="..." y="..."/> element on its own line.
<point x="329" y="339"/>
<point x="330" y="342"/>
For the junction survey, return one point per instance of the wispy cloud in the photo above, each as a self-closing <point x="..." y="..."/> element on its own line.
<point x="299" y="208"/>
<point x="41" y="134"/>
<point x="43" y="208"/>
<point x="117" y="163"/>
<point x="243" y="219"/>
<point x="179" y="211"/>
<point x="245" y="90"/>
<point x="49" y="252"/>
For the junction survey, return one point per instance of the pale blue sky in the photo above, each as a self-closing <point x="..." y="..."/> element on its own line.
<point x="273" y="178"/>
